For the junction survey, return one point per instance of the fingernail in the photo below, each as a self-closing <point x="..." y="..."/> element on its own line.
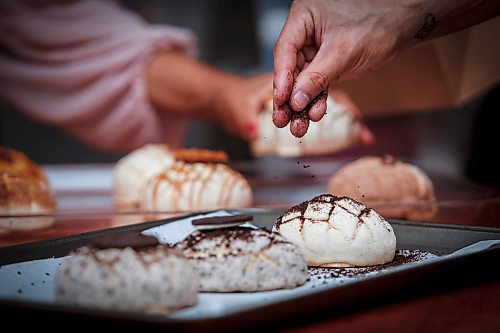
<point x="301" y="99"/>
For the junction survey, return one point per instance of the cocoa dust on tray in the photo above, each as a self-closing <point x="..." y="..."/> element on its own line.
<point x="401" y="257"/>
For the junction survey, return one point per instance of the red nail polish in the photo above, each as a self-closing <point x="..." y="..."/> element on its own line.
<point x="251" y="130"/>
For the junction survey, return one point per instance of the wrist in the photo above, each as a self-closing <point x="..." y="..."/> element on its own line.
<point x="183" y="86"/>
<point x="419" y="19"/>
<point x="430" y="19"/>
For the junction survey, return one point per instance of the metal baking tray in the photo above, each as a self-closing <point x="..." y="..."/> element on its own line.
<point x="448" y="271"/>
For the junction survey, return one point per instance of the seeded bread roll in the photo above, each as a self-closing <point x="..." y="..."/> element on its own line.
<point x="24" y="190"/>
<point x="244" y="259"/>
<point x="396" y="189"/>
<point x="338" y="232"/>
<point x="130" y="275"/>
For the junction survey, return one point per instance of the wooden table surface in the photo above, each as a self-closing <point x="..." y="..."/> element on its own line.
<point x="470" y="306"/>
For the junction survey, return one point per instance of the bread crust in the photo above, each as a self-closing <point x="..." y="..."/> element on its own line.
<point x="24" y="191"/>
<point x="193" y="155"/>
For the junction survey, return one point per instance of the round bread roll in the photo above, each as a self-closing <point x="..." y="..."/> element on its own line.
<point x="134" y="169"/>
<point x="134" y="274"/>
<point x="24" y="190"/>
<point x="15" y="163"/>
<point x="396" y="189"/>
<point x="20" y="197"/>
<point x="196" y="186"/>
<point x="244" y="259"/>
<point x="338" y="232"/>
<point x="336" y="131"/>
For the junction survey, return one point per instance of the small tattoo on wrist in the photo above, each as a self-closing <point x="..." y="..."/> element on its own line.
<point x="430" y="23"/>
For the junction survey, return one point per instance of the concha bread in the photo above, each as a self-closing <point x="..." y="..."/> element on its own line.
<point x="196" y="186"/>
<point x="132" y="171"/>
<point x="244" y="259"/>
<point x="18" y="164"/>
<point x="24" y="190"/>
<point x="155" y="280"/>
<point x="338" y="232"/>
<point x="395" y="188"/>
<point x="336" y="131"/>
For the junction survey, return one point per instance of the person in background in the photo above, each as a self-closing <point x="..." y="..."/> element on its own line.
<point x="102" y="74"/>
<point x="324" y="42"/>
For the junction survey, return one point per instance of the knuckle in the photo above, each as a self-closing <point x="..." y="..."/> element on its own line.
<point x="319" y="80"/>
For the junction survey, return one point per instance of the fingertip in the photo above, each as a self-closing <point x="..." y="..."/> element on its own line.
<point x="281" y="115"/>
<point x="366" y="137"/>
<point x="318" y="107"/>
<point x="299" y="125"/>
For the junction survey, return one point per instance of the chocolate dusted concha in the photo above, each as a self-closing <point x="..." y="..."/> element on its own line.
<point x="244" y="259"/>
<point x="127" y="272"/>
<point x="338" y="232"/>
<point x="196" y="186"/>
<point x="395" y="188"/>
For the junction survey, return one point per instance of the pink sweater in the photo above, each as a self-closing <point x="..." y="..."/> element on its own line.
<point x="81" y="66"/>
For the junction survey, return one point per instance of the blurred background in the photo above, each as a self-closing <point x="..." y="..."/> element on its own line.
<point x="428" y="106"/>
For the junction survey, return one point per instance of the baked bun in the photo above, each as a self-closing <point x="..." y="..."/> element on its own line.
<point x="17" y="164"/>
<point x="244" y="259"/>
<point x="134" y="274"/>
<point x="396" y="189"/>
<point x="337" y="130"/>
<point x="155" y="178"/>
<point x="134" y="169"/>
<point x="338" y="232"/>
<point x="196" y="186"/>
<point x="24" y="190"/>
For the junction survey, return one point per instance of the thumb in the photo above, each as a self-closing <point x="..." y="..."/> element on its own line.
<point x="322" y="71"/>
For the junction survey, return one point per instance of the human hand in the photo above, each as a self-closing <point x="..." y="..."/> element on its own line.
<point x="240" y="102"/>
<point x="179" y="85"/>
<point x="324" y="42"/>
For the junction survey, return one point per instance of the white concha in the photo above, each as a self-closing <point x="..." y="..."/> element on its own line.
<point x="196" y="186"/>
<point x="336" y="131"/>
<point x="338" y="232"/>
<point x="132" y="171"/>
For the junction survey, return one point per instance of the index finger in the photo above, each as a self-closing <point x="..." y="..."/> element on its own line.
<point x="292" y="38"/>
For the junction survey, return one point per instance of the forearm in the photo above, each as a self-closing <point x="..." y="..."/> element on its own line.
<point x="183" y="86"/>
<point x="441" y="17"/>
